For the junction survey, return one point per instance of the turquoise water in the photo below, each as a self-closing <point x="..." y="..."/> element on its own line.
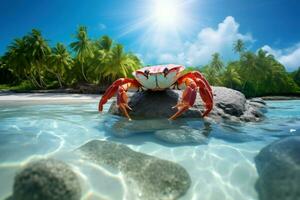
<point x="221" y="166"/>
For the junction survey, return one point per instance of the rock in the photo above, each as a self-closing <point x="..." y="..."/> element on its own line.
<point x="278" y="166"/>
<point x="229" y="104"/>
<point x="46" y="179"/>
<point x="177" y="132"/>
<point x="258" y="100"/>
<point x="230" y="101"/>
<point x="181" y="136"/>
<point x="153" y="177"/>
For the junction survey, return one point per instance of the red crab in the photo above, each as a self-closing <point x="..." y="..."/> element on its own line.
<point x="161" y="77"/>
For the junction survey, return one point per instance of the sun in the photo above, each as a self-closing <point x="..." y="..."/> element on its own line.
<point x="161" y="24"/>
<point x="166" y="13"/>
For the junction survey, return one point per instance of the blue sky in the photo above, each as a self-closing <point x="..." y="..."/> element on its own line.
<point x="191" y="32"/>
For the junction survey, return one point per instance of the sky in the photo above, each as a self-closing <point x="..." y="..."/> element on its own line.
<point x="184" y="32"/>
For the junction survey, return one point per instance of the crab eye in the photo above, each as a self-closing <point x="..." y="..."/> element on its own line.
<point x="146" y="73"/>
<point x="166" y="70"/>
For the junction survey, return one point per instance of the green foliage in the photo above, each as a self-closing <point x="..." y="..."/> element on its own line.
<point x="239" y="46"/>
<point x="254" y="74"/>
<point x="216" y="63"/>
<point x="83" y="48"/>
<point x="59" y="61"/>
<point x="95" y="61"/>
<point x="23" y="86"/>
<point x="230" y="77"/>
<point x="30" y="63"/>
<point x="296" y="76"/>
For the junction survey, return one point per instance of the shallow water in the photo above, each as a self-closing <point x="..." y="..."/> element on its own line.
<point x="221" y="166"/>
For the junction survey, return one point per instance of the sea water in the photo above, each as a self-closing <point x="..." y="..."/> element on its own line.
<point x="221" y="166"/>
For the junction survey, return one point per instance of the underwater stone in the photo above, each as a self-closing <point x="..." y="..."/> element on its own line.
<point x="154" y="177"/>
<point x="227" y="103"/>
<point x="176" y="132"/>
<point x="46" y="179"/>
<point x="278" y="166"/>
<point x="184" y="135"/>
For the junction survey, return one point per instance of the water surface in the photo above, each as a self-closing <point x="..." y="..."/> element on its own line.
<point x="221" y="166"/>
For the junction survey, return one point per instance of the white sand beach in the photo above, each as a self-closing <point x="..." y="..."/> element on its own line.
<point x="10" y="96"/>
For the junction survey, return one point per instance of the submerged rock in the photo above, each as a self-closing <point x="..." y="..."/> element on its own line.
<point x="177" y="132"/>
<point x="278" y="166"/>
<point x="229" y="104"/>
<point x="46" y="179"/>
<point x="153" y="177"/>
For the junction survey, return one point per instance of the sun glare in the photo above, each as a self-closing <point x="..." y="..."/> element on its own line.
<point x="163" y="23"/>
<point x="166" y="13"/>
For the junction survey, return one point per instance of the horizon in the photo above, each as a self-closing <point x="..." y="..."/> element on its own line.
<point x="189" y="32"/>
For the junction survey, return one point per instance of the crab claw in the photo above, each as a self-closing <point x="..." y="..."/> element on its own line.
<point x="192" y="81"/>
<point x="206" y="95"/>
<point x="120" y="87"/>
<point x="122" y="100"/>
<point x="188" y="98"/>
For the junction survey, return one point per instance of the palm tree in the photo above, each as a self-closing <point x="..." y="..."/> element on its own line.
<point x="239" y="46"/>
<point x="102" y="57"/>
<point x="60" y="60"/>
<point x="19" y="61"/>
<point x="82" y="47"/>
<point x="248" y="69"/>
<point x="231" y="77"/>
<point x="16" y="57"/>
<point x="211" y="75"/>
<point x="105" y="43"/>
<point x="121" y="64"/>
<point x="296" y="76"/>
<point x="37" y="52"/>
<point x="216" y="62"/>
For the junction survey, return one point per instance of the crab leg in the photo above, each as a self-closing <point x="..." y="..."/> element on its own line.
<point x="120" y="87"/>
<point x="192" y="81"/>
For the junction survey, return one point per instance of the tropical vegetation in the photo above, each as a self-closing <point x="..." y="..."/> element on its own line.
<point x="30" y="63"/>
<point x="254" y="74"/>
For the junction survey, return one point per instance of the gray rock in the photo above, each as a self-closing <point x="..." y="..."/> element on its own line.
<point x="231" y="101"/>
<point x="155" y="178"/>
<point x="176" y="132"/>
<point x="278" y="166"/>
<point x="229" y="104"/>
<point x="181" y="136"/>
<point x="46" y="179"/>
<point x="258" y="100"/>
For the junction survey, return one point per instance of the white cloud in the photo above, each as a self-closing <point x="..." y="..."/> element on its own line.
<point x="289" y="57"/>
<point x="208" y="41"/>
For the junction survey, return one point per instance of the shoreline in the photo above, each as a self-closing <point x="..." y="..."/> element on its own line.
<point x="279" y="98"/>
<point x="12" y="96"/>
<point x="71" y="94"/>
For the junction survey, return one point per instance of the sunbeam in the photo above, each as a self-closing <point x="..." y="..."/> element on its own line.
<point x="163" y="23"/>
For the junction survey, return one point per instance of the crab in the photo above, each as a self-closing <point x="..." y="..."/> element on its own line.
<point x="161" y="77"/>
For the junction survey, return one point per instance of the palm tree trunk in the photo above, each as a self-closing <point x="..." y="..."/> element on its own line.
<point x="34" y="80"/>
<point x="82" y="70"/>
<point x="30" y="79"/>
<point x="59" y="80"/>
<point x="42" y="83"/>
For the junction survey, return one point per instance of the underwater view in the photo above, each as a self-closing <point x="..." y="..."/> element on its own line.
<point x="220" y="162"/>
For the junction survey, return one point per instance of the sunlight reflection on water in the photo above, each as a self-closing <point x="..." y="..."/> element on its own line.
<point x="218" y="157"/>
